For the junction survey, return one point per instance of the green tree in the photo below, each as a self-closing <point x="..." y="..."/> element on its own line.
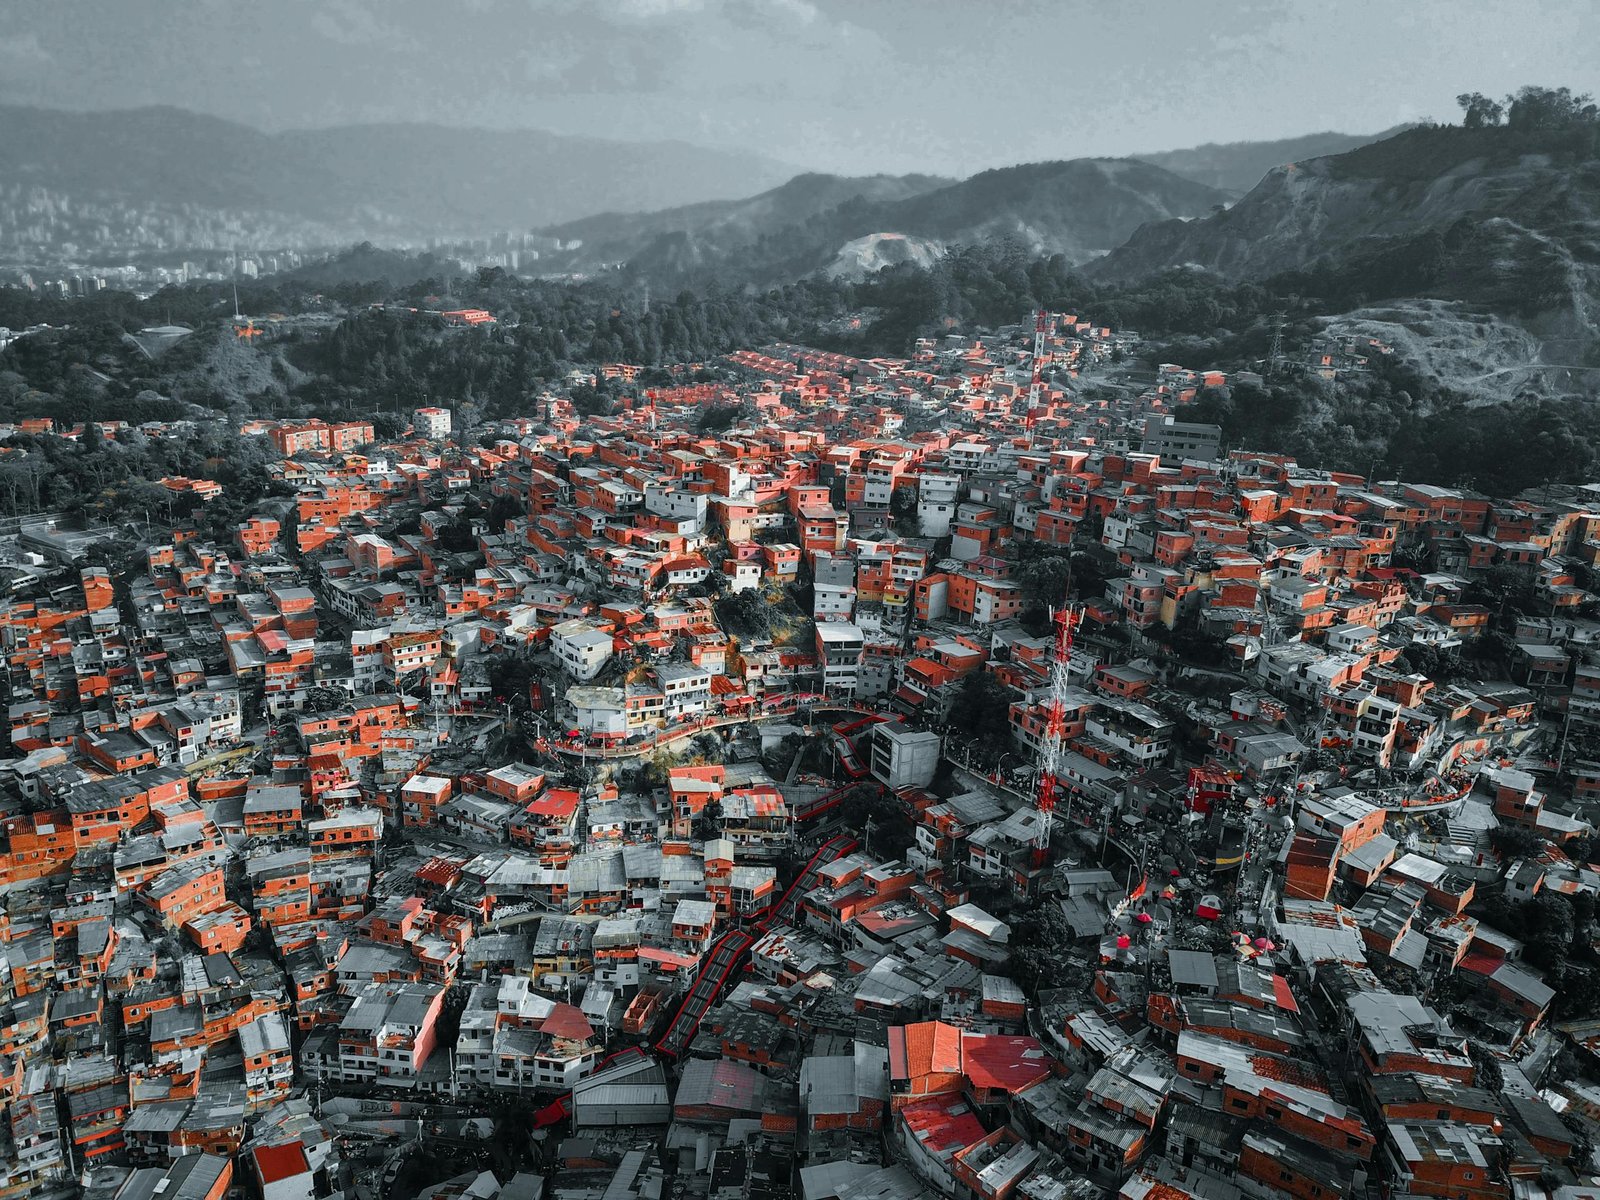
<point x="1435" y="662"/>
<point x="1045" y="582"/>
<point x="981" y="716"/>
<point x="1041" y="954"/>
<point x="708" y="822"/>
<point x="503" y="509"/>
<point x="869" y="807"/>
<point x="1516" y="841"/>
<point x="589" y="401"/>
<point x="903" y="510"/>
<point x="457" y="536"/>
<point x="1548" y="108"/>
<point x="744" y="614"/>
<point x="1478" y="111"/>
<point x="718" y="418"/>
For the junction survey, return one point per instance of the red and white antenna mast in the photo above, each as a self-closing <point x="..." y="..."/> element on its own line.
<point x="1053" y="746"/>
<point x="1041" y="327"/>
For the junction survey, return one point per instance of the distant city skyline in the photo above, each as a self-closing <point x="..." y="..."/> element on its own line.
<point x="857" y="86"/>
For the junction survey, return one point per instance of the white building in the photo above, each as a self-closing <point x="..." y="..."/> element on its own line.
<point x="366" y="657"/>
<point x="740" y="575"/>
<point x="581" y="647"/>
<point x="513" y="1039"/>
<point x="1304" y="671"/>
<point x="840" y="646"/>
<point x="833" y="601"/>
<point x="431" y="423"/>
<point x="268" y="1060"/>
<point x="1139" y="734"/>
<point x="600" y="710"/>
<point x="687" y="689"/>
<point x="676" y="504"/>
<point x="903" y="757"/>
<point x="386" y="1036"/>
<point x="937" y="496"/>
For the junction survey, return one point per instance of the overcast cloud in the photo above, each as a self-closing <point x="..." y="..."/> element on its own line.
<point x="948" y="86"/>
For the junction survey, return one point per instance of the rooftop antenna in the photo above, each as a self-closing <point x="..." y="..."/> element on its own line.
<point x="243" y="327"/>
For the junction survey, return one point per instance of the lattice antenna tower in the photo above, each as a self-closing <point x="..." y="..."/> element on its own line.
<point x="1053" y="747"/>
<point x="1041" y="354"/>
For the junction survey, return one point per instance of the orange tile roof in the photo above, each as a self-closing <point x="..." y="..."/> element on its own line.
<point x="926" y="1048"/>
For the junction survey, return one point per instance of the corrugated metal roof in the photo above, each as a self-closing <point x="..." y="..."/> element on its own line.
<point x="1192" y="968"/>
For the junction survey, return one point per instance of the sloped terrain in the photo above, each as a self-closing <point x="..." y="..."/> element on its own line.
<point x="718" y="226"/>
<point x="1478" y="355"/>
<point x="864" y="256"/>
<point x="1238" y="166"/>
<point x="1077" y="209"/>
<point x="1505" y="221"/>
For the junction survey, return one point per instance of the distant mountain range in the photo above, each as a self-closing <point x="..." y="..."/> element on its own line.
<point x="1238" y="166"/>
<point x="120" y="183"/>
<point x="1080" y="208"/>
<point x="399" y="181"/>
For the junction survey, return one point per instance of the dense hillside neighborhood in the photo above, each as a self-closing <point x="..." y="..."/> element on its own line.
<point x="808" y="777"/>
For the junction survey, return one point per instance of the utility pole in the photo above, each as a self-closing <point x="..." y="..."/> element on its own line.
<point x="1275" y="360"/>
<point x="1561" y="750"/>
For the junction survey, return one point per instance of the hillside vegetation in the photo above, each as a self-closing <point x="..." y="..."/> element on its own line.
<point x="1238" y="166"/>
<point x="1504" y="217"/>
<point x="1479" y="278"/>
<point x="1077" y="209"/>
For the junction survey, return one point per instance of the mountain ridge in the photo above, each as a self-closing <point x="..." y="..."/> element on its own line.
<point x="1239" y="166"/>
<point x="413" y="180"/>
<point x="1421" y="180"/>
<point x="1078" y="208"/>
<point x="1502" y="224"/>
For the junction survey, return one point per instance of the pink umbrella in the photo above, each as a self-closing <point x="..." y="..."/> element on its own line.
<point x="1144" y="918"/>
<point x="1262" y="943"/>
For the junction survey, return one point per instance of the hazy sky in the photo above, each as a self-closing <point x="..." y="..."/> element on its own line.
<point x="949" y="86"/>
